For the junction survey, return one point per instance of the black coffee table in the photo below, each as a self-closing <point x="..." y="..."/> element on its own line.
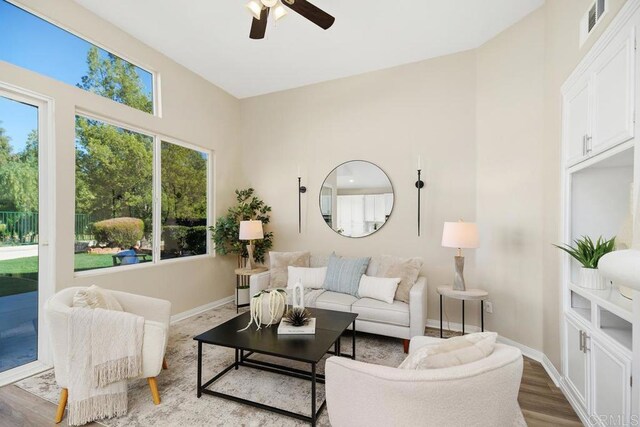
<point x="330" y="325"/>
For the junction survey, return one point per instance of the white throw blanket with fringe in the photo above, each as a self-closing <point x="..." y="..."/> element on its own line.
<point x="105" y="348"/>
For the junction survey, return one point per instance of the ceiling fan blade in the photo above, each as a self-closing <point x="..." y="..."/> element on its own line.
<point x="259" y="26"/>
<point x="311" y="12"/>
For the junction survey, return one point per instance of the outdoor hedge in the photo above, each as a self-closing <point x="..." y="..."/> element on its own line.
<point x="119" y="232"/>
<point x="180" y="239"/>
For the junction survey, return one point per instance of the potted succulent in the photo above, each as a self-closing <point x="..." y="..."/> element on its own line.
<point x="588" y="253"/>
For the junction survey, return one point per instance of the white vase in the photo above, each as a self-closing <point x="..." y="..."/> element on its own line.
<point x="590" y="278"/>
<point x="266" y="307"/>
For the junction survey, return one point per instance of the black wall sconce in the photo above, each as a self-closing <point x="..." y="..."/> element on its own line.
<point x="419" y="185"/>
<point x="301" y="190"/>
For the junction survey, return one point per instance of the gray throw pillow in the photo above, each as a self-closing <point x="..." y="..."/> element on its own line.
<point x="344" y="274"/>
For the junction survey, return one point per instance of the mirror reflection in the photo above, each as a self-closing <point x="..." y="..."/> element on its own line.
<point x="356" y="199"/>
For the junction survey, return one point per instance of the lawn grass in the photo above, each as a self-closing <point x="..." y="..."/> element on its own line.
<point x="21" y="274"/>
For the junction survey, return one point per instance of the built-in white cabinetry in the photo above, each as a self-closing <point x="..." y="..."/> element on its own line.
<point x="611" y="382"/>
<point x="575" y="362"/>
<point x="576" y="122"/>
<point x="599" y="351"/>
<point x="599" y="105"/>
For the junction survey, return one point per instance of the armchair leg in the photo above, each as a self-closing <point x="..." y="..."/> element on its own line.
<point x="405" y="343"/>
<point x="153" y="385"/>
<point x="164" y="363"/>
<point x="64" y="394"/>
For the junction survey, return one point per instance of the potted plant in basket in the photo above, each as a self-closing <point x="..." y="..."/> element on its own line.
<point x="588" y="253"/>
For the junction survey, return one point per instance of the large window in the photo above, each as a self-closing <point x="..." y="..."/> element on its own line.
<point x="114" y="196"/>
<point x="184" y="201"/>
<point x="115" y="212"/>
<point x="33" y="43"/>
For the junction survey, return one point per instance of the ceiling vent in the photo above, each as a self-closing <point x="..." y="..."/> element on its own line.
<point x="591" y="19"/>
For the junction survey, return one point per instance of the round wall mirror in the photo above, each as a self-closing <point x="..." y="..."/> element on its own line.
<point x="356" y="199"/>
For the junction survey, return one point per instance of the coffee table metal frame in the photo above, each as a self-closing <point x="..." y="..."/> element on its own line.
<point x="242" y="358"/>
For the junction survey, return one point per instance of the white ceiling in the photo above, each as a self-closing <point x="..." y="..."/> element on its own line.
<point x="358" y="174"/>
<point x="211" y="37"/>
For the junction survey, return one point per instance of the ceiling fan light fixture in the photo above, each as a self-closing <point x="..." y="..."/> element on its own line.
<point x="269" y="3"/>
<point x="255" y="8"/>
<point x="279" y="11"/>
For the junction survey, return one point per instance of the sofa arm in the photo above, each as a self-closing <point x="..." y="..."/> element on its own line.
<point x="154" y="346"/>
<point x="259" y="282"/>
<point x="418" y="307"/>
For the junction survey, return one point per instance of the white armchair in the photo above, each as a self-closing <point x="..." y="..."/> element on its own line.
<point x="156" y="313"/>
<point x="482" y="393"/>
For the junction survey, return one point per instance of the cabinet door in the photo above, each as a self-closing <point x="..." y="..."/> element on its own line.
<point x="610" y="384"/>
<point x="576" y="121"/>
<point x="613" y="94"/>
<point x="575" y="361"/>
<point x="380" y="208"/>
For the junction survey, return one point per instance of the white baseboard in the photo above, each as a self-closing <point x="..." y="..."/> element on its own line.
<point x="201" y="309"/>
<point x="22" y="372"/>
<point x="531" y="353"/>
<point x="577" y="407"/>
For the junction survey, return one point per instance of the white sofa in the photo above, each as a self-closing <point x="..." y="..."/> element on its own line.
<point x="156" y="313"/>
<point x="483" y="393"/>
<point x="399" y="320"/>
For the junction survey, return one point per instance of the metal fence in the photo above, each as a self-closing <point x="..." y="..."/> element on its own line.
<point x="20" y="228"/>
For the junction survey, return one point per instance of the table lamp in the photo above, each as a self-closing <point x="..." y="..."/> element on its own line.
<point x="251" y="230"/>
<point x="460" y="235"/>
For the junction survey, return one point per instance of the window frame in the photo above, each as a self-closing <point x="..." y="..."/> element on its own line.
<point x="158" y="138"/>
<point x="155" y="76"/>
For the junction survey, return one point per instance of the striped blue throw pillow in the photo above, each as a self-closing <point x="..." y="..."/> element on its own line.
<point x="343" y="274"/>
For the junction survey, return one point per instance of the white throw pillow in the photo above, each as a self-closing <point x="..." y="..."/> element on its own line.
<point x="312" y="278"/>
<point x="95" y="297"/>
<point x="380" y="288"/>
<point x="452" y="352"/>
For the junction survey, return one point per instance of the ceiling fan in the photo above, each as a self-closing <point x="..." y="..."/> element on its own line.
<point x="260" y="10"/>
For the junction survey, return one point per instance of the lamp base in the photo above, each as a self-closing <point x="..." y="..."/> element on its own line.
<point x="458" y="280"/>
<point x="250" y="261"/>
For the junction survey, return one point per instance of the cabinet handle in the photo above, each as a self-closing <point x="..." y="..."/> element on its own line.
<point x="584" y="344"/>
<point x="588" y="139"/>
<point x="584" y="153"/>
<point x="582" y="341"/>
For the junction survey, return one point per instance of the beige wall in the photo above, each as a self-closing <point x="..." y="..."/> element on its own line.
<point x="510" y="100"/>
<point x="193" y="111"/>
<point x="387" y="117"/>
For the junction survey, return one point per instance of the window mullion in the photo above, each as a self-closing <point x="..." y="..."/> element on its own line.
<point x="157" y="198"/>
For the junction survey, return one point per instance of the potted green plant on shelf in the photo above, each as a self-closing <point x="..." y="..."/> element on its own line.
<point x="225" y="232"/>
<point x="588" y="253"/>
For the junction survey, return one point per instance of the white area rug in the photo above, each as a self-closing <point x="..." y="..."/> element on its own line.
<point x="181" y="407"/>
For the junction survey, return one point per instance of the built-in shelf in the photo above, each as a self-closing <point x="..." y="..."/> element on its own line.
<point x="581" y="306"/>
<point x="618" y="329"/>
<point x="609" y="299"/>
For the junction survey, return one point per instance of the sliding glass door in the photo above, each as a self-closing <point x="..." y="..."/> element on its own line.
<point x="21" y="231"/>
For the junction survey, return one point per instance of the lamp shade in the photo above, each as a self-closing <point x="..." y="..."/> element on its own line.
<point x="460" y="234"/>
<point x="251" y="230"/>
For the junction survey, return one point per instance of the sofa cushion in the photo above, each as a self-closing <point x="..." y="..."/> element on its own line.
<point x="378" y="311"/>
<point x="279" y="264"/>
<point x="343" y="274"/>
<point x="378" y="288"/>
<point x="407" y="269"/>
<point x="335" y="301"/>
<point x="311" y="278"/>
